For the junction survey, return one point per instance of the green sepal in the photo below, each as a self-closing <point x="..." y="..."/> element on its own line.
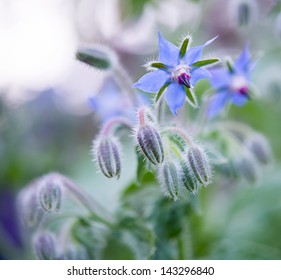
<point x="191" y="97"/>
<point x="229" y="66"/>
<point x="94" y="57"/>
<point x="205" y="62"/>
<point x="184" y="46"/>
<point x="157" y="64"/>
<point x="160" y="92"/>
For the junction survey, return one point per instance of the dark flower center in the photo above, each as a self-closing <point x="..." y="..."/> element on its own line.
<point x="181" y="75"/>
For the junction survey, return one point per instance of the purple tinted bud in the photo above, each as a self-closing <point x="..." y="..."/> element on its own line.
<point x="50" y="194"/>
<point x="107" y="154"/>
<point x="150" y="143"/>
<point x="249" y="169"/>
<point x="187" y="177"/>
<point x="259" y="146"/>
<point x="199" y="164"/>
<point x="29" y="208"/>
<point x="44" y="245"/>
<point x="169" y="180"/>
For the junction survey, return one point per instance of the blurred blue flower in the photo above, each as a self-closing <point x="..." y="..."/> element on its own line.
<point x="177" y="71"/>
<point x="231" y="84"/>
<point x="111" y="102"/>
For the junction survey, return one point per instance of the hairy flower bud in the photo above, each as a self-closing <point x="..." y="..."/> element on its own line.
<point x="29" y="208"/>
<point x="107" y="154"/>
<point x="44" y="245"/>
<point x="249" y="169"/>
<point x="187" y="177"/>
<point x="98" y="57"/>
<point x="243" y="12"/>
<point x="50" y="194"/>
<point x="199" y="164"/>
<point x="150" y="143"/>
<point x="169" y="180"/>
<point x="259" y="146"/>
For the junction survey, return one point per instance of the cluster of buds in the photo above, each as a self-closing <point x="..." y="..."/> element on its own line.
<point x="179" y="162"/>
<point x="246" y="151"/>
<point x="42" y="196"/>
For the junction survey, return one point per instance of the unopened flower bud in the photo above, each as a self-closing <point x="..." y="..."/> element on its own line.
<point x="249" y="169"/>
<point x="199" y="164"/>
<point x="243" y="12"/>
<point x="29" y="208"/>
<point x="98" y="57"/>
<point x="169" y="180"/>
<point x="44" y="245"/>
<point x="150" y="143"/>
<point x="187" y="177"/>
<point x="107" y="154"/>
<point x="50" y="194"/>
<point x="259" y="146"/>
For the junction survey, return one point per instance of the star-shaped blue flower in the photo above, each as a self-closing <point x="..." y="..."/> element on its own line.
<point x="176" y="72"/>
<point x="231" y="83"/>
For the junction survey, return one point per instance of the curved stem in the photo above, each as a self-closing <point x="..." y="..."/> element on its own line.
<point x="179" y="132"/>
<point x="93" y="206"/>
<point x="110" y="125"/>
<point x="96" y="210"/>
<point x="144" y="114"/>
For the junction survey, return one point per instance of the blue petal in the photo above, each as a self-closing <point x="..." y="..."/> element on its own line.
<point x="239" y="99"/>
<point x="168" y="52"/>
<point x="242" y="64"/>
<point x="221" y="78"/>
<point x="217" y="103"/>
<point x="199" y="73"/>
<point x="194" y="54"/>
<point x="175" y="97"/>
<point x="153" y="81"/>
<point x="93" y="103"/>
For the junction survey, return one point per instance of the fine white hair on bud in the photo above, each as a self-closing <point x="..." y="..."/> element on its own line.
<point x="45" y="246"/>
<point x="99" y="57"/>
<point x="260" y="148"/>
<point x="169" y="179"/>
<point x="150" y="143"/>
<point x="187" y="177"/>
<point x="50" y="194"/>
<point x="29" y="208"/>
<point x="248" y="168"/>
<point x="148" y="138"/>
<point x="199" y="164"/>
<point x="106" y="151"/>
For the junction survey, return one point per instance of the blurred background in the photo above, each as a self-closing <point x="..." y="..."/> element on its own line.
<point x="46" y="123"/>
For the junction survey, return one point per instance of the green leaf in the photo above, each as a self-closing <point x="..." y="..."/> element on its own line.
<point x="160" y="92"/>
<point x="157" y="64"/>
<point x="191" y="97"/>
<point x="184" y="46"/>
<point x="205" y="62"/>
<point x="229" y="66"/>
<point x="94" y="57"/>
<point x="137" y="236"/>
<point x="89" y="236"/>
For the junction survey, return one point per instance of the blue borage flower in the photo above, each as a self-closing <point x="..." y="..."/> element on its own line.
<point x="232" y="84"/>
<point x="176" y="71"/>
<point x="109" y="102"/>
